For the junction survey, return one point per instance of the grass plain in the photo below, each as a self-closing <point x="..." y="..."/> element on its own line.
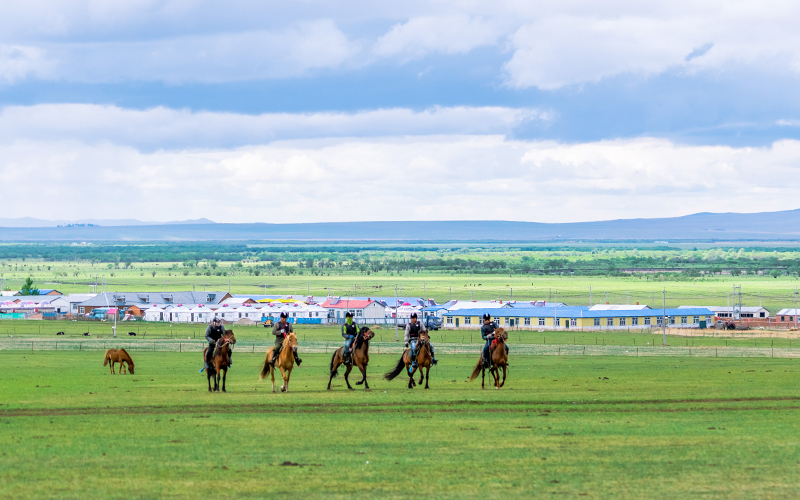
<point x="594" y="427"/>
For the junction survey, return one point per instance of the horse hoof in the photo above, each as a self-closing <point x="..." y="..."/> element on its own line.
<point x="351" y="388"/>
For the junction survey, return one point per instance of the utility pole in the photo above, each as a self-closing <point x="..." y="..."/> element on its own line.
<point x="664" y="319"/>
<point x="795" y="307"/>
<point x="395" y="313"/>
<point x="590" y="295"/>
<point x="627" y="297"/>
<point x="737" y="304"/>
<point x="451" y="293"/>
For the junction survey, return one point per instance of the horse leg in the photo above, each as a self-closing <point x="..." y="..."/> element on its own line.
<point x="504" y="376"/>
<point x="208" y="376"/>
<point x="272" y="375"/>
<point x="224" y="376"/>
<point x="483" y="377"/>
<point x="283" y="376"/>
<point x="286" y="375"/>
<point x="334" y="366"/>
<point x="364" y="378"/>
<point x="427" y="376"/>
<point x="346" y="375"/>
<point x="411" y="382"/>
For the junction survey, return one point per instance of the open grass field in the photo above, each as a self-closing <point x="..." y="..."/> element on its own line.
<point x="72" y="277"/>
<point x="594" y="427"/>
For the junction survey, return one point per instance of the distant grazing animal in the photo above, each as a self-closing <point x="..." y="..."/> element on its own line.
<point x="59" y="333"/>
<point x="86" y="334"/>
<point x="120" y="356"/>
<point x="360" y="358"/>
<point x="132" y="334"/>
<point x="423" y="363"/>
<point x="220" y="360"/>
<point x="285" y="362"/>
<point x="497" y="352"/>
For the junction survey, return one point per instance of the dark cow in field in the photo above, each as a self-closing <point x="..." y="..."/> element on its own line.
<point x="59" y="333"/>
<point x="86" y="334"/>
<point x="132" y="334"/>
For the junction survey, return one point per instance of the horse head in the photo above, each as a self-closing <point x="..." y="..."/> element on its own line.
<point x="229" y="337"/>
<point x="501" y="335"/>
<point x="366" y="333"/>
<point x="424" y="338"/>
<point x="291" y="340"/>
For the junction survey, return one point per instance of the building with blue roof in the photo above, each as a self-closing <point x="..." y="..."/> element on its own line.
<point x="580" y="318"/>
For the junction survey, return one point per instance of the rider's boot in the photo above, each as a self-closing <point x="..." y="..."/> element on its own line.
<point x="434" y="360"/>
<point x="274" y="358"/>
<point x="297" y="358"/>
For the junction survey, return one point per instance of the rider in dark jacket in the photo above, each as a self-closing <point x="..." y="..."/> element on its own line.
<point x="411" y="338"/>
<point x="281" y="329"/>
<point x="349" y="332"/>
<point x="487" y="334"/>
<point x="214" y="332"/>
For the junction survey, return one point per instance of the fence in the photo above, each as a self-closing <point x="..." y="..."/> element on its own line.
<point x="317" y="347"/>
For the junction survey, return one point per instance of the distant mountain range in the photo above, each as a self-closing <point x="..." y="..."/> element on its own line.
<point x="766" y="226"/>
<point x="31" y="222"/>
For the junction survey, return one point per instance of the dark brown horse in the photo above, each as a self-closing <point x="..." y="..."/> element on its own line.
<point x="220" y="360"/>
<point x="285" y="362"/>
<point x="120" y="356"/>
<point x="423" y="362"/>
<point x="499" y="357"/>
<point x="360" y="358"/>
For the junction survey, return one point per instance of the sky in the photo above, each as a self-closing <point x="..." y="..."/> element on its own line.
<point x="313" y="111"/>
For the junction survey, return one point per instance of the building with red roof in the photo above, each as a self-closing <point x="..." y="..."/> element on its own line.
<point x="362" y="309"/>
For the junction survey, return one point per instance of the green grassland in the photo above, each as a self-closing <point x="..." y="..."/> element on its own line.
<point x="594" y="427"/>
<point x="773" y="293"/>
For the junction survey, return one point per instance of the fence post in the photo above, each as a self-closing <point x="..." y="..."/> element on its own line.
<point x="180" y="347"/>
<point x="80" y="346"/>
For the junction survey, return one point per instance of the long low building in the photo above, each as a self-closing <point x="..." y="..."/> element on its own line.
<point x="580" y="318"/>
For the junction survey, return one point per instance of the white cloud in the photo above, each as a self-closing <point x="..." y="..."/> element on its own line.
<point x="448" y="34"/>
<point x="18" y="62"/>
<point x="164" y="128"/>
<point x="464" y="177"/>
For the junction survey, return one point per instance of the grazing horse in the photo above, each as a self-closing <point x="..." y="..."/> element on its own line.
<point x="120" y="356"/>
<point x="423" y="361"/>
<point x="132" y="334"/>
<point x="497" y="352"/>
<point x="360" y="358"/>
<point x="285" y="362"/>
<point x="220" y="360"/>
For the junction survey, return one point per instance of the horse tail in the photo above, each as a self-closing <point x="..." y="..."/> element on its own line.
<point x="397" y="369"/>
<point x="105" y="361"/>
<point x="265" y="369"/>
<point x="332" y="371"/>
<point x="476" y="371"/>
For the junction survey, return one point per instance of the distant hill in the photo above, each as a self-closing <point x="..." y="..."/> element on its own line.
<point x="31" y="222"/>
<point x="767" y="226"/>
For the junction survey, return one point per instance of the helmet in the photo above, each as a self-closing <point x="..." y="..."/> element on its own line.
<point x="487" y="317"/>
<point x="284" y="315"/>
<point x="414" y="315"/>
<point x="216" y="320"/>
<point x="348" y="315"/>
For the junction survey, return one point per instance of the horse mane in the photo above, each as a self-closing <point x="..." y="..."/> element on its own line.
<point x="218" y="347"/>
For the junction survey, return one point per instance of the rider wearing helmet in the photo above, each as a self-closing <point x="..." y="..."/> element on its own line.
<point x="214" y="332"/>
<point x="281" y="330"/>
<point x="349" y="332"/>
<point x="413" y="329"/>
<point x="487" y="334"/>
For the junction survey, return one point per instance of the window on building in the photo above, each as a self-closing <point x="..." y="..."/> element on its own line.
<point x="647" y="321"/>
<point x="696" y="319"/>
<point x="541" y="321"/>
<point x="609" y="321"/>
<point x="684" y="320"/>
<point x="467" y="320"/>
<point x="623" y="322"/>
<point x="672" y="320"/>
<point x="82" y="310"/>
<point x="527" y="322"/>
<point x="659" y="321"/>
<point x="783" y="318"/>
<point x="597" y="322"/>
<point x="634" y="321"/>
<point x="449" y="320"/>
<point x="508" y="321"/>
<point x="761" y="315"/>
<point x="573" y="322"/>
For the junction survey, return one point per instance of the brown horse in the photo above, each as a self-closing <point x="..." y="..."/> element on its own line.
<point x="285" y="362"/>
<point x="423" y="361"/>
<point x="120" y="356"/>
<point x="220" y="360"/>
<point x="360" y="358"/>
<point x="499" y="360"/>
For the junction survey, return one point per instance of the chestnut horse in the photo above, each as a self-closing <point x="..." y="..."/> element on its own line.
<point x="423" y="361"/>
<point x="220" y="360"/>
<point x="120" y="356"/>
<point x="497" y="352"/>
<point x="360" y="358"/>
<point x="285" y="362"/>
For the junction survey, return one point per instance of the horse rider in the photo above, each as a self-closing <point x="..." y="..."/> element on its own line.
<point x="349" y="332"/>
<point x="214" y="332"/>
<point x="487" y="334"/>
<point x="281" y="330"/>
<point x="413" y="329"/>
